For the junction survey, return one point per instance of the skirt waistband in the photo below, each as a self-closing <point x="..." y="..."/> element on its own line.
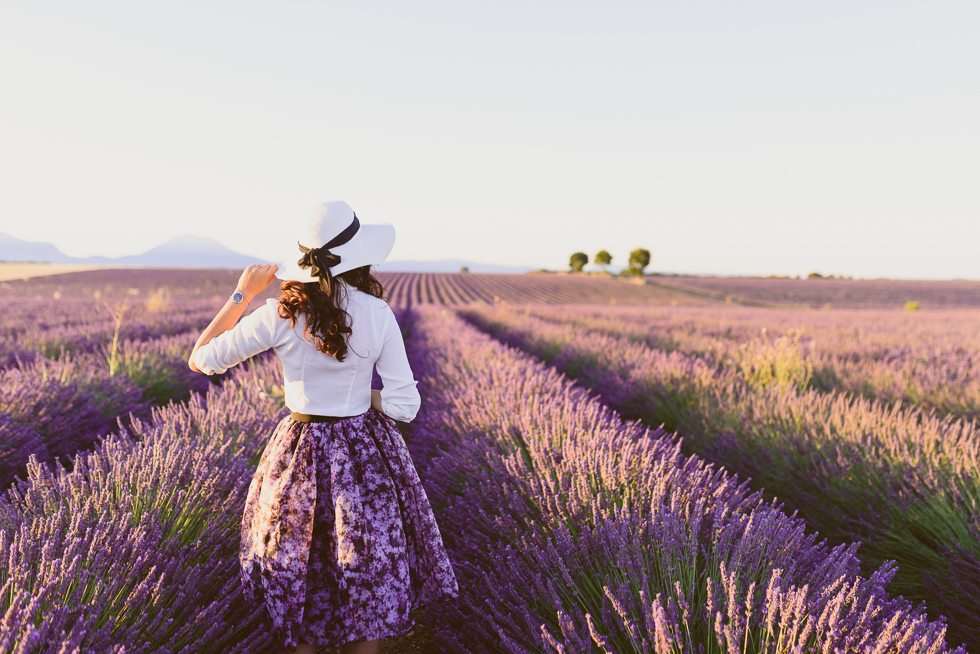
<point x="309" y="417"/>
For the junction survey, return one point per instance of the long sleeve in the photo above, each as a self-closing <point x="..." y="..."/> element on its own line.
<point x="400" y="397"/>
<point x="255" y="333"/>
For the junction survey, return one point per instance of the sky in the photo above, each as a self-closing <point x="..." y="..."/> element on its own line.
<point x="726" y="138"/>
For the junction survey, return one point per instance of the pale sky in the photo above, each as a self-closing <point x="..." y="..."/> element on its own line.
<point x="725" y="137"/>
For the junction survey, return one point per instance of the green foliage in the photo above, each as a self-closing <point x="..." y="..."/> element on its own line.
<point x="56" y="350"/>
<point x="781" y="362"/>
<point x="117" y="312"/>
<point x="577" y="261"/>
<point x="639" y="259"/>
<point x="816" y="275"/>
<point x="603" y="258"/>
<point x="154" y="375"/>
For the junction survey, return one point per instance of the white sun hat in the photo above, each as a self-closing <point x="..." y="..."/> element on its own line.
<point x="339" y="242"/>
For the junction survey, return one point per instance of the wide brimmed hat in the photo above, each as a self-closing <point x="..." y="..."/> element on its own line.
<point x="334" y="240"/>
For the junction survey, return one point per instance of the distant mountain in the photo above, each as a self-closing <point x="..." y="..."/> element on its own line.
<point x="186" y="251"/>
<point x="15" y="249"/>
<point x="190" y="251"/>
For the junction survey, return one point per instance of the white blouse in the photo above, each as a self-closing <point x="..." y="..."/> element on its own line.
<point x="315" y="382"/>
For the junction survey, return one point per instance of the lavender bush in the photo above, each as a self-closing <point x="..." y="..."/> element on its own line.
<point x="821" y="293"/>
<point x="930" y="360"/>
<point x="77" y="366"/>
<point x="573" y="530"/>
<point x="52" y="327"/>
<point x="902" y="482"/>
<point x="135" y="549"/>
<point x="71" y="402"/>
<point x="407" y="289"/>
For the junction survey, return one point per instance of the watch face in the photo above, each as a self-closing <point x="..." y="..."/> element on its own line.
<point x="237" y="297"/>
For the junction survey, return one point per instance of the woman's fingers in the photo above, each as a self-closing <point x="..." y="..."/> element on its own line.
<point x="259" y="275"/>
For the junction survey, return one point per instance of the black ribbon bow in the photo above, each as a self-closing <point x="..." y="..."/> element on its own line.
<point x="320" y="259"/>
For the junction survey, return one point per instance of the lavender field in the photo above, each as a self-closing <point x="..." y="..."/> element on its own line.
<point x="666" y="466"/>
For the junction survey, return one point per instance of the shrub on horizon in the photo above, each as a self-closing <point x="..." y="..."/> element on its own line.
<point x="639" y="259"/>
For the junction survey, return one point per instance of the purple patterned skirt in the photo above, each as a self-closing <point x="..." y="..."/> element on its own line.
<point x="338" y="539"/>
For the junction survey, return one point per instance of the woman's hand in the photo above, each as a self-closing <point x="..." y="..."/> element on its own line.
<point x="256" y="278"/>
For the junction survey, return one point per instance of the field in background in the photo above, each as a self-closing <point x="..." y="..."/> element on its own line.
<point x="544" y="288"/>
<point x="10" y="271"/>
<point x="623" y="465"/>
<point x="828" y="293"/>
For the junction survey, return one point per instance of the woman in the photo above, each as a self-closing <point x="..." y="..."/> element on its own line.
<point x="338" y="539"/>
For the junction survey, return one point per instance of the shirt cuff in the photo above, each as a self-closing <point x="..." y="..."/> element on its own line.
<point x="202" y="360"/>
<point x="403" y="409"/>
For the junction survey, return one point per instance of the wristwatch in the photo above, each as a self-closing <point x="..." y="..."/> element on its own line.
<point x="238" y="297"/>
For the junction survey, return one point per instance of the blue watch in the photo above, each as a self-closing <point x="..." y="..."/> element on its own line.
<point x="237" y="297"/>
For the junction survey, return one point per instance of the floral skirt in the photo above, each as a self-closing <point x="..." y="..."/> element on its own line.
<point x="338" y="539"/>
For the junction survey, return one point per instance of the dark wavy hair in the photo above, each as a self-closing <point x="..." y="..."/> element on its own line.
<point x="327" y="322"/>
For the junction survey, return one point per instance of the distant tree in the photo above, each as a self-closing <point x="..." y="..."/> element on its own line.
<point x="814" y="275"/>
<point x="464" y="269"/>
<point x="603" y="258"/>
<point x="577" y="261"/>
<point x="639" y="259"/>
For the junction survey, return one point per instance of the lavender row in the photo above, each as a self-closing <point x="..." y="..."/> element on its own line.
<point x="599" y="288"/>
<point x="560" y="288"/>
<point x="405" y="288"/>
<point x="53" y="408"/>
<point x="574" y="530"/>
<point x="826" y="293"/>
<point x="102" y="373"/>
<point x="930" y="359"/>
<point x="54" y="327"/>
<point x="905" y="484"/>
<point x="135" y="549"/>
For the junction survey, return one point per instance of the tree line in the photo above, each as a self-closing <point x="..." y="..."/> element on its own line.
<point x="638" y="260"/>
